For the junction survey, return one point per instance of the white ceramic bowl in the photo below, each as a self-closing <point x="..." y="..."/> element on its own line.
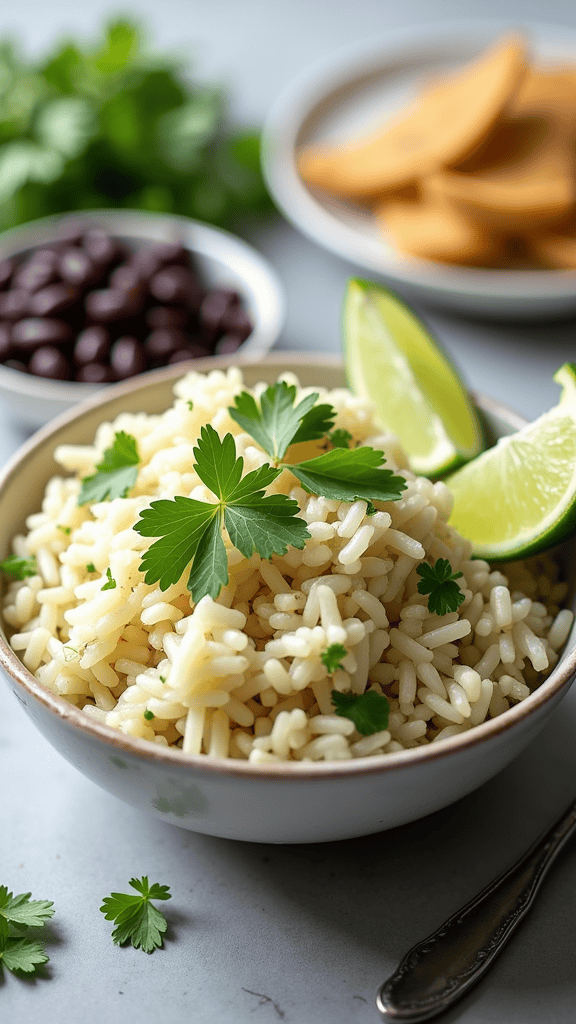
<point x="222" y="259"/>
<point x="283" y="803"/>
<point x="360" y="85"/>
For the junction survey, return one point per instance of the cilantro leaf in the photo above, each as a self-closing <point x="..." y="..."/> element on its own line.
<point x="115" y="475"/>
<point x="22" y="910"/>
<point x="369" y="711"/>
<point x="22" y="954"/>
<point x="332" y="657"/>
<point x="18" y="567"/>
<point x="216" y="462"/>
<point x="137" y="920"/>
<point x="180" y="523"/>
<point x="278" y="423"/>
<point x="209" y="572"/>
<point x="340" y="438"/>
<point x="268" y="525"/>
<point x="439" y="582"/>
<point x="111" y="583"/>
<point x="349" y="475"/>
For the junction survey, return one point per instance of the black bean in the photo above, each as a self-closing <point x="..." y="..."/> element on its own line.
<point x="191" y="352"/>
<point x="177" y="285"/>
<point x="92" y="345"/>
<point x="127" y="357"/>
<point x="53" y="299"/>
<point x="38" y="271"/>
<point x="213" y="309"/>
<point x="160" y="317"/>
<point x="150" y="260"/>
<point x="101" y="247"/>
<point x="48" y="361"/>
<point x="227" y="344"/>
<point x="34" y="331"/>
<point x="237" y="322"/>
<point x="110" y="304"/>
<point x="76" y="267"/>
<point x="95" y="373"/>
<point x="162" y="343"/>
<point x="14" y="304"/>
<point x="16" y="364"/>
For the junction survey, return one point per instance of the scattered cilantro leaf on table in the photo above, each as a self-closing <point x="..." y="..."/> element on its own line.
<point x="439" y="582"/>
<point x="369" y="711"/>
<point x="115" y="475"/>
<point x="333" y="656"/>
<point x="137" y="921"/>
<point x="17" y="913"/>
<point x="18" y="567"/>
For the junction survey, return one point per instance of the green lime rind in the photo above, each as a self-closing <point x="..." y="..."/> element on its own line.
<point x="393" y="359"/>
<point x="519" y="497"/>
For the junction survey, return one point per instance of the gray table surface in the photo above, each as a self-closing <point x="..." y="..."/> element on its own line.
<point x="296" y="934"/>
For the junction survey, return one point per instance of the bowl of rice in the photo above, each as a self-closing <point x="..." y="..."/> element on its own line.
<point x="220" y="715"/>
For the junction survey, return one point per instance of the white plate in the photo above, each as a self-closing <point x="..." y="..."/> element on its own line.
<point x="344" y="96"/>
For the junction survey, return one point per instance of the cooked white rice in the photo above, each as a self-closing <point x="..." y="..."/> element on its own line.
<point x="242" y="676"/>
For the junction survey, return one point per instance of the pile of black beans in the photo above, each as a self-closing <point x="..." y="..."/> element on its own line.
<point x="87" y="308"/>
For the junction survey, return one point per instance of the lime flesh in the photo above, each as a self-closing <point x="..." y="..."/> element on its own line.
<point x="520" y="496"/>
<point x="392" y="359"/>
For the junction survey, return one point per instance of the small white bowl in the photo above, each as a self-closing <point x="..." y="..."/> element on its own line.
<point x="285" y="803"/>
<point x="222" y="259"/>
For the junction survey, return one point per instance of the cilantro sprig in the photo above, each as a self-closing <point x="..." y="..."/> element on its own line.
<point x="115" y="474"/>
<point x="189" y="532"/>
<point x="439" y="582"/>
<point x="18" y="952"/>
<point x="17" y="567"/>
<point x="369" y="711"/>
<point x="137" y="920"/>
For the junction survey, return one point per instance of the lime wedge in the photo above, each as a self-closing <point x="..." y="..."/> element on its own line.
<point x="392" y="359"/>
<point x="520" y="496"/>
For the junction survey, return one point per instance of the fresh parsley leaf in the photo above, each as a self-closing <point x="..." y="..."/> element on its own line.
<point x="439" y="582"/>
<point x="278" y="423"/>
<point x="111" y="584"/>
<point x="191" y="531"/>
<point x="90" y="567"/>
<point x="18" y="952"/>
<point x="115" y="475"/>
<point x="21" y="910"/>
<point x="340" y="438"/>
<point x="180" y="523"/>
<point x="332" y="657"/>
<point x="21" y="954"/>
<point x="18" y="568"/>
<point x="369" y="711"/>
<point x="349" y="475"/>
<point x="137" y="921"/>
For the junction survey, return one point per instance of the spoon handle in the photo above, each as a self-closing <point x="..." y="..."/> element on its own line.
<point x="440" y="969"/>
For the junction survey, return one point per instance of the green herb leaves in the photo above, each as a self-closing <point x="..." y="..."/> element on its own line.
<point x="278" y="423"/>
<point x="333" y="656"/>
<point x="369" y="711"/>
<point x="439" y="582"/>
<point x="191" y="531"/>
<point x="17" y="913"/>
<point x="137" y="921"/>
<point x="115" y="475"/>
<point x="18" y="568"/>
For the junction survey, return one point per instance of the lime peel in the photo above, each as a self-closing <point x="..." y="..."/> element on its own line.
<point x="393" y="360"/>
<point x="519" y="497"/>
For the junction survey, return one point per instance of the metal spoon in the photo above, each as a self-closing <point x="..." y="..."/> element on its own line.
<point x="439" y="970"/>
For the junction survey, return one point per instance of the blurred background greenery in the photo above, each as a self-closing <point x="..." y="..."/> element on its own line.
<point x="114" y="124"/>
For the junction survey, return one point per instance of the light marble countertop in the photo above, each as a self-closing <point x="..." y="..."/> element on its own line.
<point x="303" y="935"/>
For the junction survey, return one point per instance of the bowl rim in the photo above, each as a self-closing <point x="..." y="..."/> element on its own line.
<point x="559" y="679"/>
<point x="264" y="283"/>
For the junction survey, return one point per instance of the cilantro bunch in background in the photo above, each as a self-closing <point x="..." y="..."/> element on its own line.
<point x="112" y="124"/>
